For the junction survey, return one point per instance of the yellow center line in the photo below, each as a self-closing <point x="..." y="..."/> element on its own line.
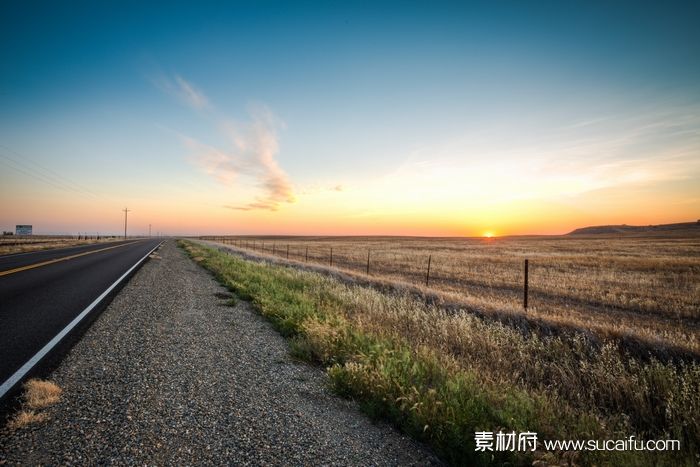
<point x="57" y="260"/>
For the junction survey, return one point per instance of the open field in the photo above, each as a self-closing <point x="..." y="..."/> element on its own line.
<point x="19" y="244"/>
<point x="644" y="291"/>
<point x="443" y="374"/>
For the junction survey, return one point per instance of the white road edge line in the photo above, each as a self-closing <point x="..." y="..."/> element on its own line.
<point x="19" y="374"/>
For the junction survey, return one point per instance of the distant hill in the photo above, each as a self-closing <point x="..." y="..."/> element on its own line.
<point x="682" y="228"/>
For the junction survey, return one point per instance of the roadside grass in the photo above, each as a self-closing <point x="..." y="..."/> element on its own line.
<point x="38" y="394"/>
<point x="10" y="246"/>
<point x="25" y="418"/>
<point x="443" y="376"/>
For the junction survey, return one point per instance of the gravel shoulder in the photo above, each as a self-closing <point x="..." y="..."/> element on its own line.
<point x="171" y="373"/>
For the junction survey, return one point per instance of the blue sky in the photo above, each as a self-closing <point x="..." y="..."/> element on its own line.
<point x="354" y="95"/>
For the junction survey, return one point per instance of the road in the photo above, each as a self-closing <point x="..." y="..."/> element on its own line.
<point x="42" y="293"/>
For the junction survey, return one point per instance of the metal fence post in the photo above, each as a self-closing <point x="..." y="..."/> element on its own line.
<point x="525" y="288"/>
<point x="427" y="274"/>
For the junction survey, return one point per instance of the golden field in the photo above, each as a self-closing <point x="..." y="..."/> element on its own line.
<point x="645" y="291"/>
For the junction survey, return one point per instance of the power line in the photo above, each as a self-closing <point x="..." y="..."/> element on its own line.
<point x="13" y="166"/>
<point x="45" y="174"/>
<point x="46" y="170"/>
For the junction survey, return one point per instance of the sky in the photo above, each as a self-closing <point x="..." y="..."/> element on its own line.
<point x="348" y="118"/>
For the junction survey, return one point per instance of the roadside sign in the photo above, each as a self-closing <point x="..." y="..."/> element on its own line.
<point x="23" y="230"/>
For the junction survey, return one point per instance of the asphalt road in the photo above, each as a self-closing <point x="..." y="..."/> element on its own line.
<point x="42" y="292"/>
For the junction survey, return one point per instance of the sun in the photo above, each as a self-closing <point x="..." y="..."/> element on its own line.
<point x="488" y="234"/>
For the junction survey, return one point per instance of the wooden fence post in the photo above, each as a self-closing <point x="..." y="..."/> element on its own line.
<point x="274" y="247"/>
<point x="306" y="258"/>
<point x="368" y="262"/>
<point x="427" y="274"/>
<point x="525" y="285"/>
<point x="331" y="257"/>
<point x="287" y="250"/>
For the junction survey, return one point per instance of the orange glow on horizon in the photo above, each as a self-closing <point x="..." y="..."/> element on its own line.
<point x="358" y="210"/>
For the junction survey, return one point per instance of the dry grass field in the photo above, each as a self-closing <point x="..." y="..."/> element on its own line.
<point x="11" y="244"/>
<point x="642" y="290"/>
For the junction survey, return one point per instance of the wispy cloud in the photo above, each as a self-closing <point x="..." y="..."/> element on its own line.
<point x="252" y="154"/>
<point x="641" y="152"/>
<point x="315" y="189"/>
<point x="183" y="90"/>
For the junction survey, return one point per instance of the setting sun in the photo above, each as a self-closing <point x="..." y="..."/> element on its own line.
<point x="488" y="234"/>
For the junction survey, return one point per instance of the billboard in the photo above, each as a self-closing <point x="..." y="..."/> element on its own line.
<point x="23" y="230"/>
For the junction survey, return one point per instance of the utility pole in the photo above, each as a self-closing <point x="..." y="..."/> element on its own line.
<point x="149" y="230"/>
<point x="126" y="211"/>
